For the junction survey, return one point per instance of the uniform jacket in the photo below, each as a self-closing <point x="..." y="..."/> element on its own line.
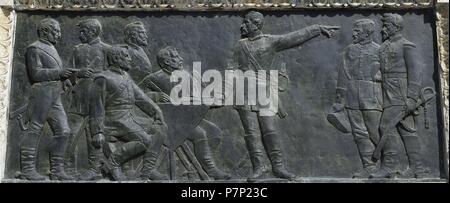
<point x="357" y="84"/>
<point x="401" y="70"/>
<point x="90" y="55"/>
<point x="113" y="97"/>
<point x="44" y="66"/>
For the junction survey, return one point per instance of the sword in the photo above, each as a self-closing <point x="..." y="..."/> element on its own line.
<point x="18" y="114"/>
<point x="426" y="94"/>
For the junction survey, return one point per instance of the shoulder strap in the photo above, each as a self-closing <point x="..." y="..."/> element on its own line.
<point x="251" y="58"/>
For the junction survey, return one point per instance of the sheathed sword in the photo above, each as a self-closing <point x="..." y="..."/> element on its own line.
<point x="426" y="94"/>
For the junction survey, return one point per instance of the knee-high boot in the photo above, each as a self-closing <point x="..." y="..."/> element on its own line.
<point x="203" y="153"/>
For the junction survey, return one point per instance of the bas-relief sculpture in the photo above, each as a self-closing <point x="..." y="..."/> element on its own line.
<point x="109" y="101"/>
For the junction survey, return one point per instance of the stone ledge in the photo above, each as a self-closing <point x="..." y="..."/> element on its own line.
<point x="272" y="180"/>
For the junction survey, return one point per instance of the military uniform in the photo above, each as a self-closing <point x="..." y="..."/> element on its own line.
<point x="140" y="63"/>
<point x="113" y="97"/>
<point x="44" y="68"/>
<point x="402" y="78"/>
<point x="255" y="54"/>
<point x="359" y="87"/>
<point x="87" y="55"/>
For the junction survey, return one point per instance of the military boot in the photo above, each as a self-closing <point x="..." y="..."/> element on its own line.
<point x="70" y="166"/>
<point x="124" y="153"/>
<point x="149" y="170"/>
<point x="57" y="168"/>
<point x="28" y="165"/>
<point x="58" y="149"/>
<point x="256" y="157"/>
<point x="93" y="173"/>
<point x="387" y="162"/>
<point x="365" y="172"/>
<point x="203" y="153"/>
<point x="413" y="148"/>
<point x="365" y="149"/>
<point x="113" y="168"/>
<point x="272" y="145"/>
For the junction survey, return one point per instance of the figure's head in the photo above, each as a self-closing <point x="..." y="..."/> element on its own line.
<point x="169" y="59"/>
<point x="392" y="24"/>
<point x="252" y="23"/>
<point x="363" y="30"/>
<point x="135" y="33"/>
<point x="90" y="29"/>
<point x="119" y="57"/>
<point x="49" y="30"/>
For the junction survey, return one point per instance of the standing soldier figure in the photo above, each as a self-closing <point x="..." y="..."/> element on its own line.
<point x="46" y="73"/>
<point x="256" y="51"/>
<point x="401" y="70"/>
<point x="89" y="57"/>
<point x="359" y="92"/>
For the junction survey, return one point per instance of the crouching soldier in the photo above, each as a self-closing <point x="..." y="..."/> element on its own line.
<point x="113" y="97"/>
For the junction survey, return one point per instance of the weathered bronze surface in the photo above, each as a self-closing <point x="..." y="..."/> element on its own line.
<point x="90" y="94"/>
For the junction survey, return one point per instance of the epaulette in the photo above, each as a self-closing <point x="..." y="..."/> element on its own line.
<point x="408" y="43"/>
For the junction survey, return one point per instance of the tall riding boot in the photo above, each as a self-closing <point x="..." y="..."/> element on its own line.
<point x="70" y="159"/>
<point x="256" y="156"/>
<point x="94" y="159"/>
<point x="28" y="165"/>
<point x="28" y="153"/>
<point x="272" y="145"/>
<point x="57" y="159"/>
<point x="203" y="153"/>
<point x="389" y="153"/>
<point x="413" y="149"/>
<point x="123" y="154"/>
<point x="149" y="170"/>
<point x="365" y="149"/>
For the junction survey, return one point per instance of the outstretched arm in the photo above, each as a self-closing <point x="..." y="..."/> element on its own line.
<point x="301" y="36"/>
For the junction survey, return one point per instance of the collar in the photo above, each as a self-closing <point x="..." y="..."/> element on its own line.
<point x="95" y="41"/>
<point x="395" y="38"/>
<point x="255" y="37"/>
<point x="133" y="45"/>
<point x="45" y="42"/>
<point x="365" y="42"/>
<point x="116" y="69"/>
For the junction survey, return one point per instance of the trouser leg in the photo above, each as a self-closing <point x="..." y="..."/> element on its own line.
<point x="76" y="123"/>
<point x="59" y="123"/>
<point x="362" y="139"/>
<point x="412" y="145"/>
<point x="149" y="170"/>
<point x="272" y="145"/>
<point x="252" y="138"/>
<point x="38" y="112"/>
<point x="388" y="127"/>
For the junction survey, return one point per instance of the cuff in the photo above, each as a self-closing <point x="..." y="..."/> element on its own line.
<point x="313" y="30"/>
<point x="413" y="90"/>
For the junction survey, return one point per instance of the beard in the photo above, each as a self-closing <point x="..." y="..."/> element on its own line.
<point x="385" y="35"/>
<point x="83" y="39"/>
<point x="141" y="42"/>
<point x="52" y="39"/>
